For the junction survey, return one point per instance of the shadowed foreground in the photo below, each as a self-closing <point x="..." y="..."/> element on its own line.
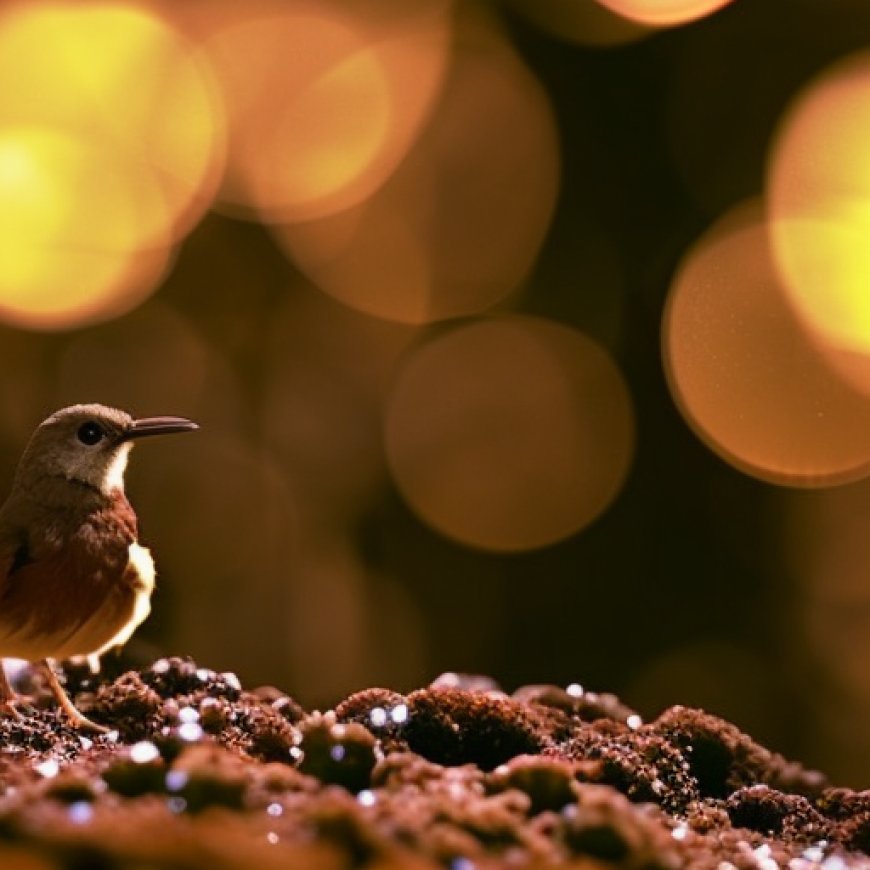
<point x="199" y="772"/>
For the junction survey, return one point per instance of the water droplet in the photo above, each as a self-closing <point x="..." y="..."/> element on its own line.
<point x="143" y="752"/>
<point x="634" y="721"/>
<point x="232" y="680"/>
<point x="190" y="732"/>
<point x="188" y="716"/>
<point x="575" y="690"/>
<point x="176" y="780"/>
<point x="337" y="752"/>
<point x="48" y="769"/>
<point x="16" y="669"/>
<point x="763" y="858"/>
<point x="80" y="812"/>
<point x="176" y="804"/>
<point x="367" y="798"/>
<point x="272" y="837"/>
<point x="275" y="809"/>
<point x="399" y="714"/>
<point x="378" y="717"/>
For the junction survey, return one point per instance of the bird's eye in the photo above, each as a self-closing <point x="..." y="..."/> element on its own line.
<point x="91" y="433"/>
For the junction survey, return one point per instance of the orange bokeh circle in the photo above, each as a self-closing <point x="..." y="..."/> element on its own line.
<point x="509" y="434"/>
<point x="746" y="375"/>
<point x="664" y="13"/>
<point x="457" y="227"/>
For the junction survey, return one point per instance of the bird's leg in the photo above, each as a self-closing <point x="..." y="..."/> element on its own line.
<point x="7" y="696"/>
<point x="46" y="668"/>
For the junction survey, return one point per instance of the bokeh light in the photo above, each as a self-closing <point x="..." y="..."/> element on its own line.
<point x="71" y="245"/>
<point x="524" y="437"/>
<point x="103" y="166"/>
<point x="583" y="22"/>
<point x="228" y="544"/>
<point x="329" y="368"/>
<point x="819" y="191"/>
<point x="372" y="625"/>
<point x="457" y="227"/>
<point x="664" y="13"/>
<point x="323" y="104"/>
<point x="25" y="369"/>
<point x="370" y="488"/>
<point x="154" y="361"/>
<point x="745" y="374"/>
<point x="722" y="678"/>
<point x="826" y="550"/>
<point x="117" y="75"/>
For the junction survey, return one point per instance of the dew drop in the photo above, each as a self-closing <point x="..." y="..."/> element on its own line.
<point x="80" y="812"/>
<point x="48" y="769"/>
<point x="143" y="752"/>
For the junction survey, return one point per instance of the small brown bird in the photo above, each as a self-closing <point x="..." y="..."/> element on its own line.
<point x="74" y="580"/>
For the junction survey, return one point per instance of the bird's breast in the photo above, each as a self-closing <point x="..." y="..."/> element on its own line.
<point x="86" y="589"/>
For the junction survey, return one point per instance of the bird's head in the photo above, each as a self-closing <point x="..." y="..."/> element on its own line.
<point x="86" y="446"/>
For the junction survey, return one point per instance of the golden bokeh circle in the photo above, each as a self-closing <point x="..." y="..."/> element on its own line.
<point x="509" y="434"/>
<point x="71" y="250"/>
<point x="819" y="194"/>
<point x="121" y="77"/>
<point x="457" y="227"/>
<point x="664" y="13"/>
<point x="746" y="375"/>
<point x="586" y="23"/>
<point x="111" y="143"/>
<point x="323" y="102"/>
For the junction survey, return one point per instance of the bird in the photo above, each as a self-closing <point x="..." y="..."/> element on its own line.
<point x="74" y="579"/>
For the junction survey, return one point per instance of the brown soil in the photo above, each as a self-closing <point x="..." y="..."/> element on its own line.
<point x="199" y="773"/>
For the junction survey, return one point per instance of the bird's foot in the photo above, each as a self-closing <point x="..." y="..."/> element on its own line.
<point x="80" y="721"/>
<point x="8" y="697"/>
<point x="9" y="708"/>
<point x="77" y="719"/>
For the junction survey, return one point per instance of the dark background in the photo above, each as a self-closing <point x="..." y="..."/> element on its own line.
<point x="286" y="551"/>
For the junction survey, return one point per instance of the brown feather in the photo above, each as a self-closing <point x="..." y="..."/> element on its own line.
<point x="78" y="591"/>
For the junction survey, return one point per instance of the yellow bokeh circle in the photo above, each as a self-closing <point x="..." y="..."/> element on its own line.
<point x="70" y="239"/>
<point x="819" y="195"/>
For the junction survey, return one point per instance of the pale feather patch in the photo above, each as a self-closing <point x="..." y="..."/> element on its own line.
<point x="141" y="561"/>
<point x="88" y="640"/>
<point x="114" y="477"/>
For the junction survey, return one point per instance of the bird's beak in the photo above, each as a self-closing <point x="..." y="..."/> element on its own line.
<point x="158" y="426"/>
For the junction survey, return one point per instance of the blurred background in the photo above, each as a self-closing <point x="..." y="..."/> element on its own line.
<point x="528" y="338"/>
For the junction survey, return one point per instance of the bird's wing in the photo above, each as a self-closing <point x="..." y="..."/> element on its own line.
<point x="20" y="558"/>
<point x="14" y="555"/>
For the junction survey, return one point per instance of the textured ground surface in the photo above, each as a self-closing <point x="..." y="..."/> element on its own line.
<point x="199" y="773"/>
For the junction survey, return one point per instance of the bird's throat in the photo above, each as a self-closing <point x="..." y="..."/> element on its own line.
<point x="114" y="476"/>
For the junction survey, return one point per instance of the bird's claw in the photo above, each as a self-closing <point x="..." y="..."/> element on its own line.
<point x="9" y="709"/>
<point x="81" y="722"/>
